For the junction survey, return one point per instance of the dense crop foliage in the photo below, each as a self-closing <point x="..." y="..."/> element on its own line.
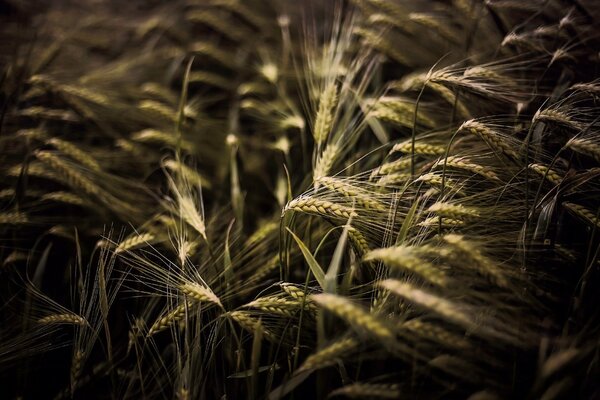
<point x="300" y="199"/>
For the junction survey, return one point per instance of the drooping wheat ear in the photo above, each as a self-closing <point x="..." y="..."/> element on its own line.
<point x="76" y="367"/>
<point x="173" y="316"/>
<point x="424" y="149"/>
<point x="250" y="324"/>
<point x="85" y="94"/>
<point x="75" y="153"/>
<point x="189" y="213"/>
<point x="159" y="92"/>
<point x="72" y="176"/>
<point x="199" y="293"/>
<point x="436" y="179"/>
<point x="210" y="50"/>
<point x="401" y="164"/>
<point x="275" y="305"/>
<point x="403" y="116"/>
<point x="551" y="175"/>
<point x="156" y="136"/>
<point x="558" y="117"/>
<point x="432" y="81"/>
<point x="262" y="232"/>
<point x="13" y="218"/>
<point x="490" y="136"/>
<point x="435" y="333"/>
<point x="583" y="212"/>
<point x="265" y="270"/>
<point x="325" y="161"/>
<point x="131" y="147"/>
<point x="588" y="87"/>
<point x="64" y="318"/>
<point x="466" y="165"/>
<point x="358" y="239"/>
<point x="352" y="192"/>
<point x="189" y="174"/>
<point x="329" y="354"/>
<point x="407" y="258"/>
<point x="135" y="241"/>
<point x="158" y="109"/>
<point x="34" y="169"/>
<point x="326" y="113"/>
<point x="64" y="197"/>
<point x="288" y="122"/>
<point x="359" y="390"/>
<point x="49" y="113"/>
<point x="446" y="223"/>
<point x="296" y="293"/>
<point x="312" y="205"/>
<point x="397" y="110"/>
<point x="479" y="71"/>
<point x="353" y="314"/>
<point x="454" y="211"/>
<point x="467" y="251"/>
<point x="393" y="179"/>
<point x="585" y="146"/>
<point x="445" y="93"/>
<point x="439" y="305"/>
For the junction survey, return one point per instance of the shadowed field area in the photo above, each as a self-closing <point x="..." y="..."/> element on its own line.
<point x="267" y="199"/>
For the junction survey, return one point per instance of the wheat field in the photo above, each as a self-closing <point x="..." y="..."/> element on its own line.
<point x="267" y="199"/>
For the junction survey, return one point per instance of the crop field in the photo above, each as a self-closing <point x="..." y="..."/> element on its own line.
<point x="310" y="199"/>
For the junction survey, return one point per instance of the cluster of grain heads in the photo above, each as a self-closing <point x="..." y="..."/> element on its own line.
<point x="272" y="199"/>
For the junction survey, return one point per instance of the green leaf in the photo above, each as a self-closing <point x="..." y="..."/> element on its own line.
<point x="312" y="263"/>
<point x="407" y="223"/>
<point x="336" y="261"/>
